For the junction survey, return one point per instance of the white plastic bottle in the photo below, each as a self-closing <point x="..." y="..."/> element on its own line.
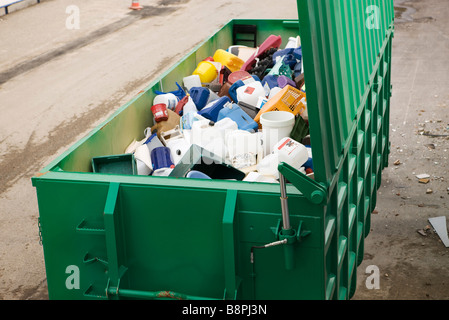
<point x="293" y="43"/>
<point x="243" y="147"/>
<point x="250" y="93"/>
<point x="169" y="99"/>
<point x="268" y="166"/>
<point x="291" y="152"/>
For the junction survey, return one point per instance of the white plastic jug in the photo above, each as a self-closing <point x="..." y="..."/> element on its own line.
<point x="273" y="92"/>
<point x="153" y="142"/>
<point x="176" y="142"/>
<point x="291" y="152"/>
<point x="250" y="93"/>
<point x="178" y="148"/>
<point x="192" y="81"/>
<point x="211" y="136"/>
<point x="212" y="97"/>
<point x="293" y="43"/>
<point x="189" y="106"/>
<point x="142" y="168"/>
<point x="204" y="132"/>
<point x="225" y="126"/>
<point x="217" y="147"/>
<point x="268" y="166"/>
<point x="169" y="99"/>
<point x="244" y="148"/>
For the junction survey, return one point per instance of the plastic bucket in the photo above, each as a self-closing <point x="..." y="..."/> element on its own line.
<point x="275" y="126"/>
<point x="206" y="71"/>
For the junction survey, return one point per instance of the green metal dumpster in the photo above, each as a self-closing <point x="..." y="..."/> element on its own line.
<point x="110" y="236"/>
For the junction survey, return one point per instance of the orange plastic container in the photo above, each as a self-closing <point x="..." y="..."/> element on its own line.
<point x="288" y="99"/>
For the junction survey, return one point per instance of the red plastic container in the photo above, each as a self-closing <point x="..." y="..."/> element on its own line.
<point x="271" y="42"/>
<point x="160" y="112"/>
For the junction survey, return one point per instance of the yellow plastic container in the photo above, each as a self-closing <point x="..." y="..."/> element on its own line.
<point x="228" y="59"/>
<point x="206" y="71"/>
<point x="288" y="99"/>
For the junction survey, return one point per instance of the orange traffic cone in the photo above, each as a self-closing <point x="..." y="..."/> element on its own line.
<point x="136" y="5"/>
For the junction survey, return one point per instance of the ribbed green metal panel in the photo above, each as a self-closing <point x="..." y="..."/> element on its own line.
<point x="347" y="53"/>
<point x="341" y="55"/>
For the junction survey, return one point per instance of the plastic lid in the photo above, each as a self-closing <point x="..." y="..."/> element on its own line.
<point x="237" y="75"/>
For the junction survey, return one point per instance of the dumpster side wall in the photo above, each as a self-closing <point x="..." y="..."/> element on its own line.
<point x="138" y="238"/>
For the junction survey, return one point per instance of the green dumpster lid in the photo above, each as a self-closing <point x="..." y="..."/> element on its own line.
<point x="342" y="42"/>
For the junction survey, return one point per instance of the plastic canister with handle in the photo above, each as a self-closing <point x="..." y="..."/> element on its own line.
<point x="239" y="83"/>
<point x="243" y="120"/>
<point x="244" y="148"/>
<point x="169" y="99"/>
<point x="250" y="93"/>
<point x="291" y="152"/>
<point x="192" y="81"/>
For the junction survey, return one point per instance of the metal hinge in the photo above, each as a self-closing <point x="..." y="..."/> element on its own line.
<point x="315" y="192"/>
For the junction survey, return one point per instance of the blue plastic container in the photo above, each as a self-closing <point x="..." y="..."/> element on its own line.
<point x="309" y="162"/>
<point x="180" y="93"/>
<point x="291" y="56"/>
<point x="197" y="175"/>
<point x="270" y="80"/>
<point x="281" y="53"/>
<point x="298" y="53"/>
<point x="233" y="89"/>
<point x="243" y="120"/>
<point x="297" y="70"/>
<point x="161" y="158"/>
<point x="153" y="142"/>
<point x="212" y="112"/>
<point x="199" y="95"/>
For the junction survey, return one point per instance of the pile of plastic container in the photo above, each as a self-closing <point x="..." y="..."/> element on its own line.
<point x="239" y="114"/>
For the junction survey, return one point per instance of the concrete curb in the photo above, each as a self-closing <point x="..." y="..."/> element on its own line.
<point x="19" y="6"/>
